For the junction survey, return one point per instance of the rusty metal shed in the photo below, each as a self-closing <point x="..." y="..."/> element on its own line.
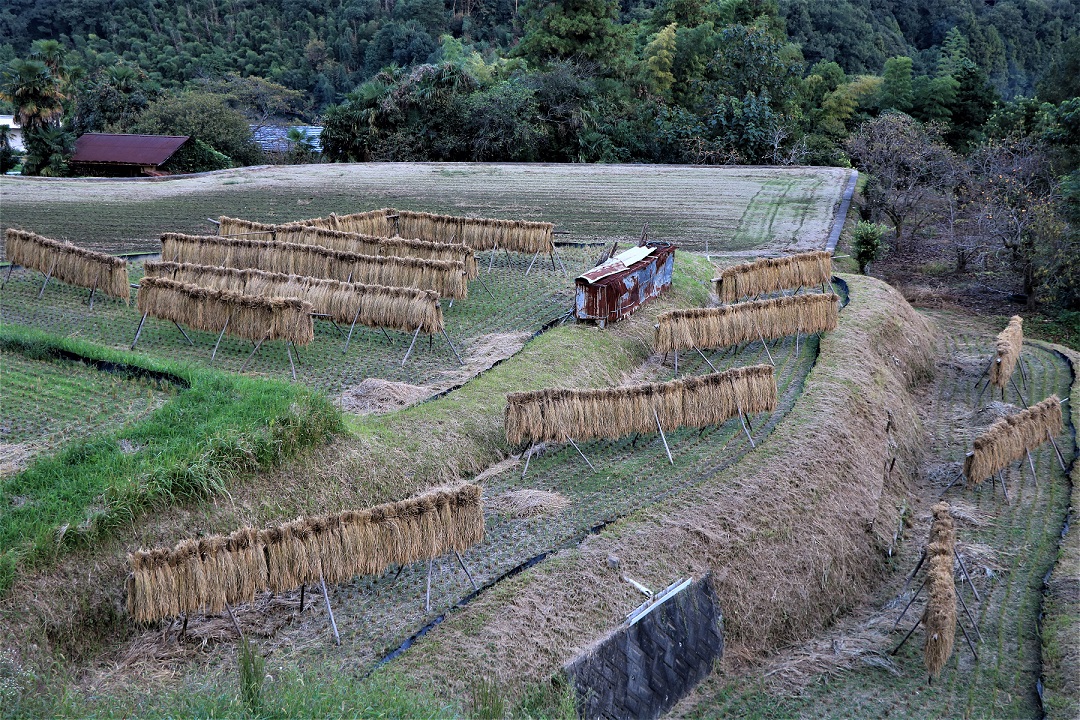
<point x="616" y="288"/>
<point x="118" y="155"/>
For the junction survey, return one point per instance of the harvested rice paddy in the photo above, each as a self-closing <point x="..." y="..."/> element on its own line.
<point x="45" y="404"/>
<point x="719" y="209"/>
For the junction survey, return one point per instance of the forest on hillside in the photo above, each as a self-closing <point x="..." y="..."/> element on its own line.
<point x="964" y="113"/>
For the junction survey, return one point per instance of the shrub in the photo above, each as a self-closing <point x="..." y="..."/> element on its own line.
<point x="867" y="243"/>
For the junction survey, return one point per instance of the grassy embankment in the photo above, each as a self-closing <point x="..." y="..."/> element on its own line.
<point x="215" y="429"/>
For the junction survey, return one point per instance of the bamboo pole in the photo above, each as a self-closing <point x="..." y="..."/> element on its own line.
<point x="47" y="276"/>
<point x="139" y="331"/>
<point x="475" y="587"/>
<point x="661" y="429"/>
<point x="460" y="361"/>
<point x="904" y="612"/>
<point x="329" y="610"/>
<point x="220" y="335"/>
<point x="571" y="440"/>
<point x="409" y="351"/>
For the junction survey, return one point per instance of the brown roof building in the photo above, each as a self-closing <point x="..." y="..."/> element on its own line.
<point x="110" y="155"/>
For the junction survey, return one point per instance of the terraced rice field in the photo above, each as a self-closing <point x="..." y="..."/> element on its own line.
<point x="722" y="209"/>
<point x="45" y="404"/>
<point x="484" y="327"/>
<point x="377" y="614"/>
<point x="1008" y="545"/>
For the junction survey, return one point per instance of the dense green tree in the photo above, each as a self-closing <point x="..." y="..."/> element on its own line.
<point x="48" y="148"/>
<point x="659" y="59"/>
<point x="203" y="116"/>
<point x="7" y="155"/>
<point x="896" y="90"/>
<point x="582" y="30"/>
<point x="34" y="92"/>
<point x="111" y="99"/>
<point x="1062" y="79"/>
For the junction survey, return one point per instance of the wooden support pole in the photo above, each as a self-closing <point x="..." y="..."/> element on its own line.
<point x="445" y="335"/>
<point x="963" y="569"/>
<point x="1001" y="479"/>
<point x="762" y="337"/>
<point x="967" y="612"/>
<point x="1031" y="462"/>
<point x="409" y="351"/>
<point x="183" y="628"/>
<point x="288" y="351"/>
<point x="752" y="445"/>
<point x="302" y="589"/>
<point x="985" y="373"/>
<point x="338" y="328"/>
<point x="235" y="624"/>
<point x="661" y="429"/>
<point x="427" y="594"/>
<point x="676" y="363"/>
<point x="552" y="256"/>
<point x="47" y="276"/>
<point x="183" y="333"/>
<point x="466" y="569"/>
<point x="139" y="331"/>
<point x="912" y="630"/>
<point x="90" y="300"/>
<point x="907" y="581"/>
<point x="485" y="287"/>
<point x="1024" y="370"/>
<point x="532" y="263"/>
<point x="705" y="358"/>
<point x="971" y="645"/>
<point x="329" y="610"/>
<point x="528" y="457"/>
<point x="7" y="275"/>
<point x="353" y="327"/>
<point x="581" y="454"/>
<point x="904" y="612"/>
<point x="1057" y="450"/>
<point x="738" y="406"/>
<point x="1021" y="395"/>
<point x="491" y="260"/>
<point x="220" y="335"/>
<point x="559" y="256"/>
<point x="952" y="482"/>
<point x="253" y="351"/>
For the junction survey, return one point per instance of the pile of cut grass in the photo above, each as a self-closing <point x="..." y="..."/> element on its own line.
<point x="218" y="428"/>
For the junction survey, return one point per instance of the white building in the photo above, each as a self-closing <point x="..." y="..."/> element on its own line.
<point x="16" y="132"/>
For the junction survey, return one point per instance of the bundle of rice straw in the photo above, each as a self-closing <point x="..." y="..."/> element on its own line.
<point x="1007" y="349"/>
<point x="1011" y="438"/>
<point x="479" y="233"/>
<point x="556" y="415"/>
<point x="940" y="615"/>
<point x="745" y="322"/>
<point x="355" y="242"/>
<point x="379" y="223"/>
<point x="203" y="575"/>
<point x="447" y="278"/>
<point x="250" y="317"/>
<point x="396" y="308"/>
<point x="69" y="263"/>
<point x="770" y="275"/>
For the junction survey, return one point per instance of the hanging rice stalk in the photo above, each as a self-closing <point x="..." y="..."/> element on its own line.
<point x="939" y="619"/>
<point x="355" y="242"/>
<point x="251" y="317"/>
<point x="556" y="414"/>
<point x="774" y="274"/>
<point x="396" y="308"/>
<point x="478" y="233"/>
<point x="1007" y="348"/>
<point x="379" y="223"/>
<point x="445" y="277"/>
<point x="69" y="263"/>
<point x="1011" y="438"/>
<point x="745" y="322"/>
<point x="202" y="575"/>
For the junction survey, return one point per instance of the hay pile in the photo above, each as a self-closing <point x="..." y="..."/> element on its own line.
<point x="1011" y="438"/>
<point x="396" y="308"/>
<point x="774" y="274"/>
<point x="939" y="618"/>
<point x="447" y="278"/>
<point x="1007" y="348"/>
<point x="745" y="322"/>
<point x="202" y="575"/>
<point x="250" y="317"/>
<point x="556" y="415"/>
<point x="69" y="263"/>
<point x="354" y="242"/>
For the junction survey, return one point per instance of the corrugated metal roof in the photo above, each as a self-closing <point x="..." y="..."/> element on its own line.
<point x="274" y="138"/>
<point x="126" y="149"/>
<point x="617" y="264"/>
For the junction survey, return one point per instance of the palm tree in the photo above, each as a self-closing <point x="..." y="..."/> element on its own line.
<point x="31" y="88"/>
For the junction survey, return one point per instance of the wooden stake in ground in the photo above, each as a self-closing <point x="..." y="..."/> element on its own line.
<point x="571" y="441"/>
<point x="475" y="587"/>
<point x="329" y="610"/>
<point x="409" y="351"/>
<point x="139" y="331"/>
<point x="47" y="276"/>
<point x="220" y="335"/>
<point x="661" y="429"/>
